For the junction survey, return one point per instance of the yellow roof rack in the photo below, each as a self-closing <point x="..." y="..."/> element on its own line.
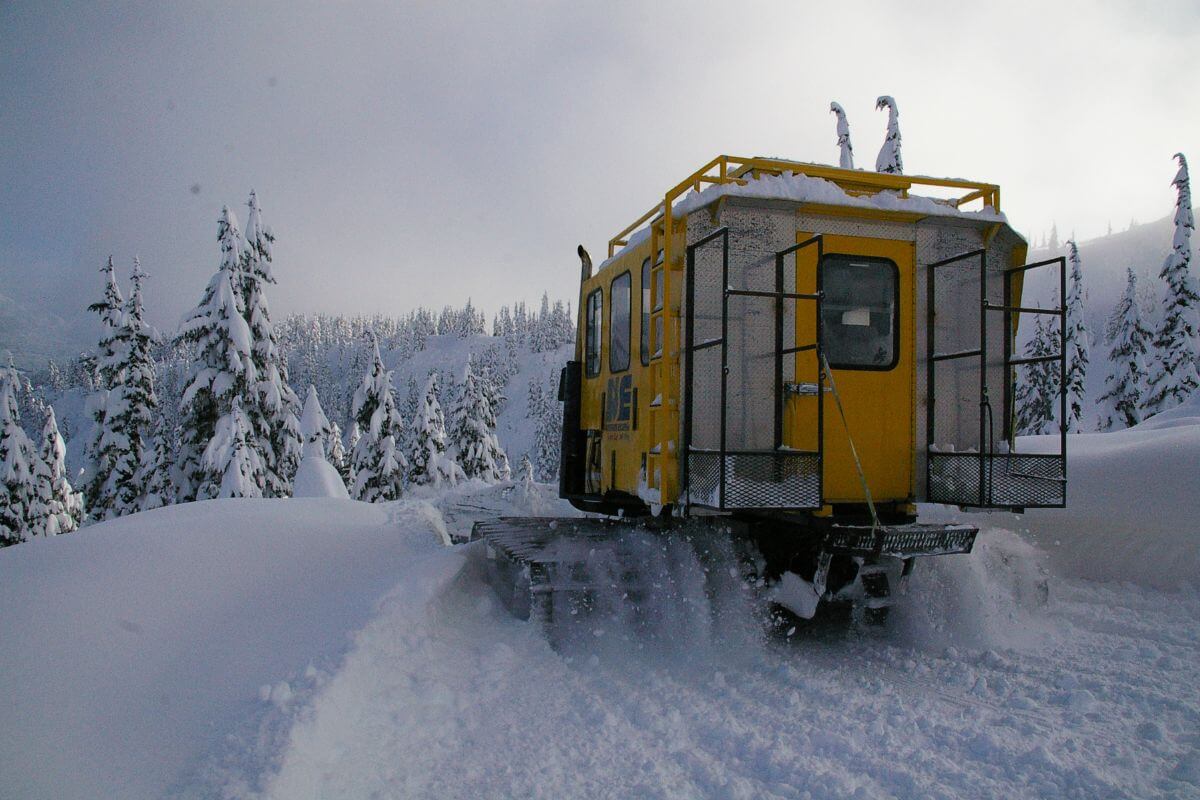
<point x="724" y="170"/>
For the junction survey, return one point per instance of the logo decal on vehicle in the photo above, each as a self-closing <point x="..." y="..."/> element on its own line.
<point x="618" y="407"/>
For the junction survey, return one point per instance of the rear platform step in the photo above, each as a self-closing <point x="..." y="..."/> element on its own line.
<point x="901" y="541"/>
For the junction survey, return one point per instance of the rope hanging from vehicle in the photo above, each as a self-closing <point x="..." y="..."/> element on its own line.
<point x="862" y="477"/>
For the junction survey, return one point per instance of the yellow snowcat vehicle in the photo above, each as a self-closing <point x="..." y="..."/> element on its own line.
<point x="799" y="354"/>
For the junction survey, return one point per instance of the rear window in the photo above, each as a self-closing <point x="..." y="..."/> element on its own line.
<point x="595" y="305"/>
<point x="858" y="311"/>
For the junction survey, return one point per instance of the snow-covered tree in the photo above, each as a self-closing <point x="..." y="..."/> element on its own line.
<point x="314" y="425"/>
<point x="547" y="439"/>
<point x="337" y="452"/>
<point x="1173" y="375"/>
<point x="503" y="326"/>
<point x="1077" y="342"/>
<point x="352" y="440"/>
<point x="377" y="461"/>
<point x="21" y="513"/>
<point x="1125" y="384"/>
<point x="106" y="443"/>
<point x="157" y="465"/>
<point x="429" y="464"/>
<point x="231" y="455"/>
<point x="274" y="410"/>
<point x="889" y="159"/>
<point x="223" y="372"/>
<point x="473" y="432"/>
<point x="132" y="405"/>
<point x="64" y="505"/>
<point x="845" y="149"/>
<point x="1037" y="390"/>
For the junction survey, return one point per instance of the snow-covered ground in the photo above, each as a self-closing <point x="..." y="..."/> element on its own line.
<point x="327" y="648"/>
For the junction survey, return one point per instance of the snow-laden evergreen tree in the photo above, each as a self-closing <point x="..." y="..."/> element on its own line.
<point x="474" y="431"/>
<point x="409" y="408"/>
<point x="1173" y="375"/>
<point x="547" y="439"/>
<point x="21" y="512"/>
<point x="377" y="461"/>
<point x="157" y="488"/>
<point x="493" y="391"/>
<point x="520" y="331"/>
<point x="337" y="452"/>
<point x="429" y="463"/>
<point x="231" y="454"/>
<point x="1054" y="237"/>
<point x="105" y="444"/>
<point x="64" y="505"/>
<point x="845" y="149"/>
<point x="1125" y="384"/>
<point x="314" y="425"/>
<point x="132" y="405"/>
<point x="1037" y="388"/>
<point x="275" y="409"/>
<point x="1078" y="348"/>
<point x="352" y="440"/>
<point x="564" y="326"/>
<point x="889" y="159"/>
<point x="504" y="323"/>
<point x="223" y="372"/>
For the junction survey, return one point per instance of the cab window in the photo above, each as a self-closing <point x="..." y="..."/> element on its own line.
<point x="595" y="304"/>
<point x="858" y="312"/>
<point x="620" y="333"/>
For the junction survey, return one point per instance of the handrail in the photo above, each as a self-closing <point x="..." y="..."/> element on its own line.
<point x="731" y="169"/>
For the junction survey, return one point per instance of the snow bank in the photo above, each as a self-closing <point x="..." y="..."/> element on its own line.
<point x="131" y="648"/>
<point x="1133" y="503"/>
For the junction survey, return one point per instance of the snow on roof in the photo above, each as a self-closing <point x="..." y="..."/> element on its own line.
<point x="802" y="188"/>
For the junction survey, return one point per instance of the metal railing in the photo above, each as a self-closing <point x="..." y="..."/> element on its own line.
<point x="738" y="169"/>
<point x="1026" y="480"/>
<point x="761" y="479"/>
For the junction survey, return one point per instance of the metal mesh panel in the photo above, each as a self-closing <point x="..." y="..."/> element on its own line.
<point x="756" y="480"/>
<point x="750" y="387"/>
<point x="1028" y="481"/>
<point x="704" y="479"/>
<point x="955" y="393"/>
<point x="954" y="478"/>
<point x="706" y="399"/>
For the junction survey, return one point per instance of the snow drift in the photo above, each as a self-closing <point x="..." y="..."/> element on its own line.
<point x="131" y="648"/>
<point x="1133" y="509"/>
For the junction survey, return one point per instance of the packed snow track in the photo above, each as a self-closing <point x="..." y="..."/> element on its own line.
<point x="234" y="677"/>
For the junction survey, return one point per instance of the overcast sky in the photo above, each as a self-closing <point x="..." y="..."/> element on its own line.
<point x="410" y="154"/>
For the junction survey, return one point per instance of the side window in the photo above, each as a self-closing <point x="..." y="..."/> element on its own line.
<point x="858" y="313"/>
<point x="620" y="333"/>
<point x="595" y="304"/>
<point x="645" y="332"/>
